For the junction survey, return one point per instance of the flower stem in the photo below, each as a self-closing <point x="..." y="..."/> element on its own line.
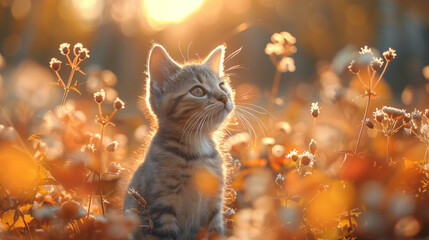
<point x="362" y="123"/>
<point x="25" y="223"/>
<point x="275" y="88"/>
<point x="388" y="150"/>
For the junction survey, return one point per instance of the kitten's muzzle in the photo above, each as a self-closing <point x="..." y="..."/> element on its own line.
<point x="223" y="98"/>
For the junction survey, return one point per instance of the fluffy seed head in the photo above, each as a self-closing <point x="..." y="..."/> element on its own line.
<point x="55" y="64"/>
<point x="416" y="115"/>
<point x="280" y="180"/>
<point x="353" y="67"/>
<point x="379" y="115"/>
<point x="315" y="110"/>
<point x="389" y="55"/>
<point x="118" y="104"/>
<point x="100" y="96"/>
<point x="293" y="155"/>
<point x="393" y="113"/>
<point x="111" y="147"/>
<point x="365" y="50"/>
<point x="77" y="48"/>
<point x="83" y="54"/>
<point x="407" y="117"/>
<point x="376" y="63"/>
<point x="64" y="48"/>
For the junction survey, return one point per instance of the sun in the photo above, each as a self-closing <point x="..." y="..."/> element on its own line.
<point x="160" y="13"/>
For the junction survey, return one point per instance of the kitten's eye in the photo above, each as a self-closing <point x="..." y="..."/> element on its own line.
<point x="222" y="86"/>
<point x="198" y="91"/>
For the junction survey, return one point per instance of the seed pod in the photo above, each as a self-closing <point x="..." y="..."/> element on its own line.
<point x="369" y="124"/>
<point x="99" y="96"/>
<point x="118" y="104"/>
<point x="280" y="180"/>
<point x="64" y="48"/>
<point x="77" y="48"/>
<point x="353" y="67"/>
<point x="305" y="160"/>
<point x="83" y="54"/>
<point x="389" y="55"/>
<point x="111" y="147"/>
<point x="55" y="64"/>
<point x="407" y="117"/>
<point x="376" y="63"/>
<point x="315" y="109"/>
<point x="312" y="146"/>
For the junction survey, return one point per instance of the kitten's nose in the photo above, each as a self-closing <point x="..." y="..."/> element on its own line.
<point x="223" y="98"/>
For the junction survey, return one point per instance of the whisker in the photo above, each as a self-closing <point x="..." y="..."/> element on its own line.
<point x="235" y="67"/>
<point x="180" y="49"/>
<point x="256" y="106"/>
<point x="187" y="52"/>
<point x="258" y="121"/>
<point x="230" y="56"/>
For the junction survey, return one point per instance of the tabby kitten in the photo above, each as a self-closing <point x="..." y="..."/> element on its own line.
<point x="182" y="177"/>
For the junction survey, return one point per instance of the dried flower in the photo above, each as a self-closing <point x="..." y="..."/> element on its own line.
<point x="365" y="50"/>
<point x="427" y="114"/>
<point x="111" y="147"/>
<point x="379" y="115"/>
<point x="77" y="48"/>
<point x="115" y="168"/>
<point x="280" y="180"/>
<point x="376" y="63"/>
<point x="407" y="117"/>
<point x="315" y="110"/>
<point x="64" y="48"/>
<point x="288" y="37"/>
<point x="55" y="64"/>
<point x="83" y="54"/>
<point x="230" y="212"/>
<point x="353" y="67"/>
<point x="293" y="155"/>
<point x="99" y="96"/>
<point x="416" y="115"/>
<point x="267" y="141"/>
<point x="393" y="113"/>
<point x="305" y="159"/>
<point x="389" y="55"/>
<point x="369" y="124"/>
<point x="278" y="151"/>
<point x="287" y="64"/>
<point x="312" y="146"/>
<point x="118" y="104"/>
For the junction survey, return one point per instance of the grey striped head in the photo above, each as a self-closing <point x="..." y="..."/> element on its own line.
<point x="191" y="97"/>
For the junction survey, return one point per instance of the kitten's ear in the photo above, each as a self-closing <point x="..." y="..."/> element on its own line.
<point x="215" y="60"/>
<point x="160" y="65"/>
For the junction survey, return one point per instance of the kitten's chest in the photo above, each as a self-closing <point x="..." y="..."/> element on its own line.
<point x="201" y="194"/>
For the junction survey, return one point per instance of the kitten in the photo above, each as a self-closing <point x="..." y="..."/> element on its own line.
<point x="182" y="177"/>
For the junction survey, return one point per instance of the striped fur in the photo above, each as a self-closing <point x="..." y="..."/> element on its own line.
<point x="182" y="176"/>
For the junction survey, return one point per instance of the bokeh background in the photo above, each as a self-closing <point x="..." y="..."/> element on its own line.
<point x="119" y="34"/>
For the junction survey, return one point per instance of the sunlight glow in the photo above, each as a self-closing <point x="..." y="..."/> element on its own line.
<point x="159" y="13"/>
